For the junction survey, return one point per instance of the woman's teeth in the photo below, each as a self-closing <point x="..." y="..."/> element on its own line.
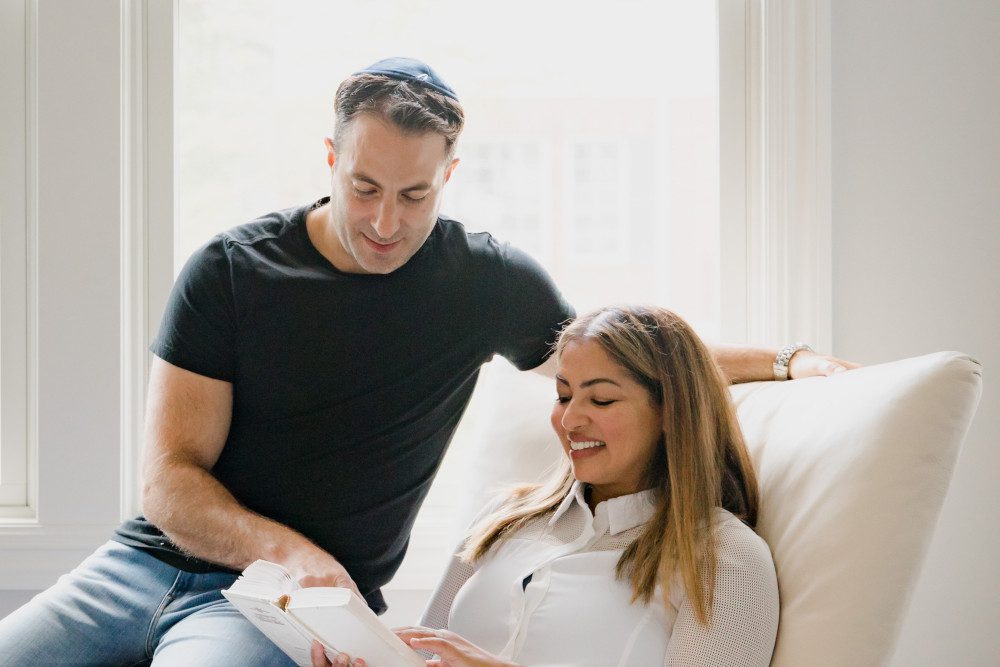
<point x="585" y="445"/>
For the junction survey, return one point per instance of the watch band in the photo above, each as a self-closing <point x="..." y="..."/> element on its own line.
<point x="785" y="355"/>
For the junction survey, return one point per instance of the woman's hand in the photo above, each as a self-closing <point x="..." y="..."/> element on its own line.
<point x="453" y="650"/>
<point x="319" y="658"/>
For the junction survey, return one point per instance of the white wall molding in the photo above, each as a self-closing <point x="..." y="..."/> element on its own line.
<point x="783" y="282"/>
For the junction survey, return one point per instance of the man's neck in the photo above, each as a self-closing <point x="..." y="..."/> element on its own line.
<point x="324" y="237"/>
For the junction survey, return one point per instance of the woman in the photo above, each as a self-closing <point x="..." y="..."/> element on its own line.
<point x="640" y="549"/>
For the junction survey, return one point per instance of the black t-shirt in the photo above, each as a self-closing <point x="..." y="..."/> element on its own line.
<point x="347" y="388"/>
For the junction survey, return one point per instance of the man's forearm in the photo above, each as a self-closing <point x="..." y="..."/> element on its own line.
<point x="745" y="363"/>
<point x="201" y="517"/>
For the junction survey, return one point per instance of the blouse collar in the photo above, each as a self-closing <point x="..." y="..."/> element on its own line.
<point x="623" y="512"/>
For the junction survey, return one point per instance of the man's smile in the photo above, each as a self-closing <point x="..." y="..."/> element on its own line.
<point x="382" y="247"/>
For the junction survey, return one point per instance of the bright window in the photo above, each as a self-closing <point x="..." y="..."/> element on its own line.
<point x="592" y="143"/>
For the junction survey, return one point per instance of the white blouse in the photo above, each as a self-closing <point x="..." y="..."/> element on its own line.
<point x="547" y="595"/>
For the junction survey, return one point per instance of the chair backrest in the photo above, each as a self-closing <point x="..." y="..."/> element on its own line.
<point x="853" y="472"/>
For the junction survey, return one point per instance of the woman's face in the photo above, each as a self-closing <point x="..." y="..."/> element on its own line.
<point x="606" y="421"/>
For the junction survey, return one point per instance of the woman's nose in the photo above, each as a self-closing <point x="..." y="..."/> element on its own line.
<point x="573" y="416"/>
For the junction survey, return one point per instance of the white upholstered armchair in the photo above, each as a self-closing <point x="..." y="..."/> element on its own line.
<point x="853" y="472"/>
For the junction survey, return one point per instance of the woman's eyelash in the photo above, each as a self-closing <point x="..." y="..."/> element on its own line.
<point x="602" y="404"/>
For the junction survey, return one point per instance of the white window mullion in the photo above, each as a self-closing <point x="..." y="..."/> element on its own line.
<point x="786" y="286"/>
<point x="16" y="186"/>
<point x="735" y="100"/>
<point x="148" y="39"/>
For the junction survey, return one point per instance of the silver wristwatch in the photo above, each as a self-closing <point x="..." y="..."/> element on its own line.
<point x="780" y="365"/>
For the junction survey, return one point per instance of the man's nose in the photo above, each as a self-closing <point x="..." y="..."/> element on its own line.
<point x="386" y="222"/>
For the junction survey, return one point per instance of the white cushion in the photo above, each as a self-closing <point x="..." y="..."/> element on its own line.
<point x="853" y="471"/>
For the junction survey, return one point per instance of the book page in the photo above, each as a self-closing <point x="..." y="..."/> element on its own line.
<point x="274" y="623"/>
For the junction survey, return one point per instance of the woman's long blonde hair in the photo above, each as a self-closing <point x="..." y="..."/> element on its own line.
<point x="702" y="462"/>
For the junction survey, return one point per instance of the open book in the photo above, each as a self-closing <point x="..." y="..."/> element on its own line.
<point x="292" y="617"/>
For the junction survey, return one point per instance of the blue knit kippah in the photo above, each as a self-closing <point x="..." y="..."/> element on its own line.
<point x="410" y="69"/>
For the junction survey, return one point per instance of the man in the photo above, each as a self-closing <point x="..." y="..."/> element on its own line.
<point x="308" y="375"/>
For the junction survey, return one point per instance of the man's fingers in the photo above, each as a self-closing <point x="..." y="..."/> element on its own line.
<point x="339" y="581"/>
<point x="318" y="655"/>
<point x="830" y="367"/>
<point x="834" y="365"/>
<point x="809" y="364"/>
<point x="347" y="582"/>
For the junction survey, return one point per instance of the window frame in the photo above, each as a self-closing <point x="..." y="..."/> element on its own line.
<point x="94" y="292"/>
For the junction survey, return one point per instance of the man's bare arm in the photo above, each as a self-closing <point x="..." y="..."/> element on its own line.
<point x="745" y="363"/>
<point x="187" y="422"/>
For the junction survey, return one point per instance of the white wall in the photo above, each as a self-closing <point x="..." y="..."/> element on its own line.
<point x="916" y="225"/>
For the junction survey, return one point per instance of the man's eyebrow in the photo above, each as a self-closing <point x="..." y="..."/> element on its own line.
<point x="588" y="383"/>
<point x="359" y="176"/>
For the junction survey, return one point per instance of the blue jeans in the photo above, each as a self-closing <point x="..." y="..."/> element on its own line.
<point x="121" y="606"/>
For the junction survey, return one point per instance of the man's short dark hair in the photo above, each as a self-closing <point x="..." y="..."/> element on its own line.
<point x="411" y="107"/>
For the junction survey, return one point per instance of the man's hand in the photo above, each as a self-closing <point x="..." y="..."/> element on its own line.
<point x="805" y="364"/>
<point x="315" y="567"/>
<point x="319" y="658"/>
<point x="454" y="650"/>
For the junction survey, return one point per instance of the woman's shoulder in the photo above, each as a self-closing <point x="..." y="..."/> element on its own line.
<point x="739" y="546"/>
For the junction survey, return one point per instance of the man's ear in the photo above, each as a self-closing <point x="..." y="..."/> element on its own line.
<point x="451" y="168"/>
<point x="331" y="156"/>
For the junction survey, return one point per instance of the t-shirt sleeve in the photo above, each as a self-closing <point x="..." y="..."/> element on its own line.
<point x="532" y="310"/>
<point x="744" y="622"/>
<point x="198" y="331"/>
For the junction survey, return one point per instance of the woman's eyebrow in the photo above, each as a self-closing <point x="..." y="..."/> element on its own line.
<point x="589" y="383"/>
